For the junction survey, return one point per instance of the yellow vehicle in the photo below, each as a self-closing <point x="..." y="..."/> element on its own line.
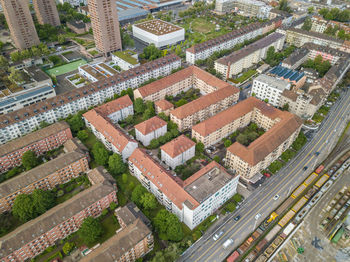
<point x="272" y="217"/>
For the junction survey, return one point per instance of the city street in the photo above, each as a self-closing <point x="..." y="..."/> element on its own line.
<point x="261" y="201"/>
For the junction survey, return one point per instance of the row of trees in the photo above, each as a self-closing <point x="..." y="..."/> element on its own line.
<point x="320" y="65"/>
<point x="337" y="32"/>
<point x="40" y="50"/>
<point x="335" y="14"/>
<point x="68" y="13"/>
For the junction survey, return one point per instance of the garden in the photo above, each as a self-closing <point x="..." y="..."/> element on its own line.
<point x="184" y="97"/>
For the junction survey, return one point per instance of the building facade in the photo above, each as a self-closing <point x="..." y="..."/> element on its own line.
<point x="178" y="151"/>
<point x="20" y="23"/>
<point x="158" y="32"/>
<point x="39" y="142"/>
<point x="281" y="130"/>
<point x="117" y="110"/>
<point x="204" y="107"/>
<point x="105" y="25"/>
<point x="46" y="176"/>
<point x="150" y="129"/>
<point x="126" y="59"/>
<point x="192" y="200"/>
<point x="181" y="81"/>
<point x="244" y="7"/>
<point x="270" y="88"/>
<point x="204" y="50"/>
<point x="113" y="137"/>
<point x="46" y="12"/>
<point x="237" y="61"/>
<point x="25" y="120"/>
<point x="163" y="106"/>
<point x="58" y="222"/>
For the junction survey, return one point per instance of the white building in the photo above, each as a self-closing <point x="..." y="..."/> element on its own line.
<point x="158" y="32"/>
<point x="73" y="2"/>
<point x="150" y="129"/>
<point x="192" y="200"/>
<point x="270" y="88"/>
<point x="246" y="57"/>
<point x="125" y="59"/>
<point x="96" y="72"/>
<point x="117" y="109"/>
<point x="229" y="40"/>
<point x="178" y="151"/>
<point x="25" y="120"/>
<point x="110" y="135"/>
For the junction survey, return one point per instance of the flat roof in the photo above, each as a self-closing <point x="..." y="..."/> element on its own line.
<point x="207" y="181"/>
<point x="158" y="27"/>
<point x="127" y="56"/>
<point x="273" y="81"/>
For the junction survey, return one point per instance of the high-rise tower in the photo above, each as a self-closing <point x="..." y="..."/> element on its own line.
<point x="105" y="25"/>
<point x="46" y="12"/>
<point x="20" y="23"/>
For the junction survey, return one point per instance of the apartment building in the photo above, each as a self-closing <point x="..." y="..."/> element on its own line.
<point x="163" y="106"/>
<point x="244" y="7"/>
<point x="204" y="107"/>
<point x="299" y="37"/>
<point x="296" y="59"/>
<point x="320" y="25"/>
<point x="105" y="26"/>
<point x="25" y="120"/>
<point x="32" y="238"/>
<point x="229" y="40"/>
<point x="111" y="135"/>
<point x="178" y="151"/>
<point x="281" y="127"/>
<point x="45" y="176"/>
<point x="181" y="81"/>
<point x="39" y="142"/>
<point x="126" y="59"/>
<point x="116" y="110"/>
<point x="327" y="53"/>
<point x="150" y="129"/>
<point x="296" y="78"/>
<point x="192" y="200"/>
<point x="237" y="61"/>
<point x="158" y="32"/>
<point x="129" y="244"/>
<point x="76" y="145"/>
<point x="46" y="12"/>
<point x="269" y="88"/>
<point x="20" y="23"/>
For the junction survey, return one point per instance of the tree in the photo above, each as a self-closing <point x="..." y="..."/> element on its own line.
<point x="283" y="5"/>
<point x="199" y="148"/>
<point x="181" y="102"/>
<point x="310" y="10"/>
<point x="129" y="120"/>
<point x="148" y="113"/>
<point x="151" y="52"/>
<point x="61" y="39"/>
<point x="42" y="200"/>
<point x="154" y="143"/>
<point x="90" y="230"/>
<point x="68" y="247"/>
<point x="76" y="123"/>
<point x="116" y="164"/>
<point x="216" y="159"/>
<point x="307" y="24"/>
<point x="125" y="178"/>
<point x="139" y="106"/>
<point x="285" y="107"/>
<point x="161" y="221"/>
<point x="113" y="205"/>
<point x="83" y="135"/>
<point x="23" y="208"/>
<point x="227" y="143"/>
<point x="242" y="139"/>
<point x="100" y="153"/>
<point x="137" y="193"/>
<point x="3" y="62"/>
<point x="169" y="224"/>
<point x="29" y="160"/>
<point x="148" y="201"/>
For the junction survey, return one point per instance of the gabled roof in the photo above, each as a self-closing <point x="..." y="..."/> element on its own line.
<point x="177" y="146"/>
<point x="114" y="106"/>
<point x="150" y="125"/>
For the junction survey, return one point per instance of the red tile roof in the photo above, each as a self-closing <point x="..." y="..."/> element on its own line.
<point x="161" y="178"/>
<point x="112" y="133"/>
<point x="150" y="125"/>
<point x="204" y="102"/>
<point x="164" y="104"/>
<point x="177" y="146"/>
<point x="172" y="79"/>
<point x="114" y="106"/>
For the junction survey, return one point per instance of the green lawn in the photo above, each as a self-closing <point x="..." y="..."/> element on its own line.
<point x="244" y="76"/>
<point x="202" y="25"/>
<point x="60" y="70"/>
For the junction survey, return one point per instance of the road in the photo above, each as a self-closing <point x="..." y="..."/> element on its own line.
<point x="261" y="201"/>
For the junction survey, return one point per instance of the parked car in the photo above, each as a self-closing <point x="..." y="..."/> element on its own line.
<point x="276" y="197"/>
<point x="237" y="218"/>
<point x="218" y="235"/>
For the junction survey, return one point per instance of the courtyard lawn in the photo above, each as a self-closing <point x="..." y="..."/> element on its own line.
<point x="244" y="76"/>
<point x="202" y="25"/>
<point x="60" y="70"/>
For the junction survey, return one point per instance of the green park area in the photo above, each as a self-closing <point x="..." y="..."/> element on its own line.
<point x="60" y="70"/>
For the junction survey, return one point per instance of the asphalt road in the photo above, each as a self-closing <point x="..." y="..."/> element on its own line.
<point x="261" y="201"/>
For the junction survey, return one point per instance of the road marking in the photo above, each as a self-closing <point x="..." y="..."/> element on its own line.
<point x="307" y="155"/>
